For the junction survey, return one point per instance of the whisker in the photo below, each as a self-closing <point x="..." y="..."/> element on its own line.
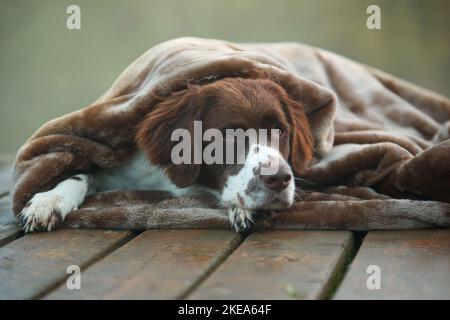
<point x="303" y="191"/>
<point x="297" y="196"/>
<point x="304" y="180"/>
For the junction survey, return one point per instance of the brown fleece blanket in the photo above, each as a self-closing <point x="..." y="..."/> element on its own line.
<point x="382" y="153"/>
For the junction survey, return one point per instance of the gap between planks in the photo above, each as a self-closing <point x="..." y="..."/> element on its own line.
<point x="234" y="244"/>
<point x="158" y="264"/>
<point x="281" y="264"/>
<point x="8" y="235"/>
<point x="329" y="288"/>
<point x="34" y="264"/>
<point x="343" y="265"/>
<point x="9" y="231"/>
<point x="409" y="264"/>
<point x="99" y="256"/>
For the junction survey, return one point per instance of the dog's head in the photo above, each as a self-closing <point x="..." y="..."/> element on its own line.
<point x="260" y="176"/>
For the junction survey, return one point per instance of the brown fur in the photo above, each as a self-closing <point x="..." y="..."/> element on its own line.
<point x="180" y="110"/>
<point x="230" y="103"/>
<point x="392" y="137"/>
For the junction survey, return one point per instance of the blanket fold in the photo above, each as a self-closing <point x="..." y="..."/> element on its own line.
<point x="382" y="145"/>
<point x="346" y="208"/>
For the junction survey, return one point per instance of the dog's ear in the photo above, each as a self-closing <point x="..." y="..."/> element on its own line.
<point x="301" y="141"/>
<point x="178" y="111"/>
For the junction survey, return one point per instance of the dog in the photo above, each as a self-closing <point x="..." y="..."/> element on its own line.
<point x="243" y="188"/>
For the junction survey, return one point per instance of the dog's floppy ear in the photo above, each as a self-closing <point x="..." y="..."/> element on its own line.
<point x="301" y="141"/>
<point x="178" y="111"/>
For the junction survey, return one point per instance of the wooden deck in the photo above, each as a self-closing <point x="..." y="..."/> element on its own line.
<point x="220" y="264"/>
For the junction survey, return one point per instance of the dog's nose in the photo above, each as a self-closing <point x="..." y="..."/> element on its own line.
<point x="277" y="182"/>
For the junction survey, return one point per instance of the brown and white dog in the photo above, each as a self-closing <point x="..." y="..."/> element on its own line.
<point x="227" y="103"/>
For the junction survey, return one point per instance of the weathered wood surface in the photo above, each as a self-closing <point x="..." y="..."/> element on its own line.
<point x="216" y="264"/>
<point x="279" y="265"/>
<point x="413" y="264"/>
<point x="8" y="228"/>
<point x="158" y="264"/>
<point x="33" y="264"/>
<point x="9" y="234"/>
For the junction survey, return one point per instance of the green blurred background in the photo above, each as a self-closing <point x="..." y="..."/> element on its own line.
<point x="47" y="70"/>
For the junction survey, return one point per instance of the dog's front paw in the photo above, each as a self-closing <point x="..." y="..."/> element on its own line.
<point x="44" y="212"/>
<point x="240" y="219"/>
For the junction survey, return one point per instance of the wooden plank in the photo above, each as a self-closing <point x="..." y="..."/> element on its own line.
<point x="413" y="265"/>
<point x="8" y="226"/>
<point x="35" y="263"/>
<point x="286" y="264"/>
<point x="9" y="234"/>
<point x="158" y="264"/>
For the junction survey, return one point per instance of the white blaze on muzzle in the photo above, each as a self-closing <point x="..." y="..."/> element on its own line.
<point x="264" y="182"/>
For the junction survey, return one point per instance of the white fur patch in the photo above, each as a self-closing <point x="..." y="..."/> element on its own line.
<point x="243" y="192"/>
<point x="46" y="209"/>
<point x="246" y="190"/>
<point x="137" y="174"/>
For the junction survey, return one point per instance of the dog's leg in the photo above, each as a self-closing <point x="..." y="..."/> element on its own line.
<point x="48" y="209"/>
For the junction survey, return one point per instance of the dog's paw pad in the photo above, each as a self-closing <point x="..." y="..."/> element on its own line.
<point x="240" y="219"/>
<point x="42" y="213"/>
